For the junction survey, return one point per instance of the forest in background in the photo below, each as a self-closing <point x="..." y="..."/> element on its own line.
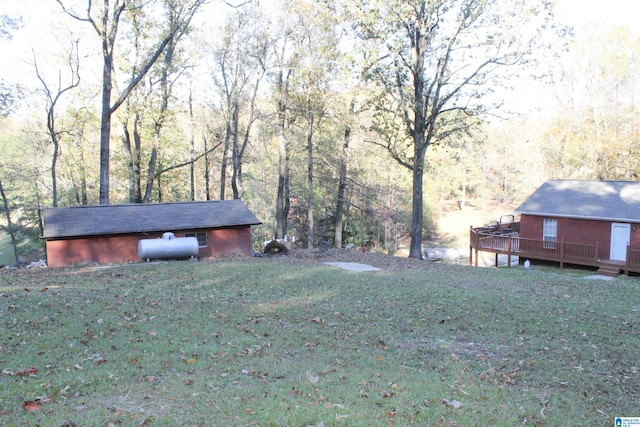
<point x="298" y="111"/>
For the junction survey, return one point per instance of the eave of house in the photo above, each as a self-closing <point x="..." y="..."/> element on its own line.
<point x="613" y="201"/>
<point x="589" y="218"/>
<point x="112" y="220"/>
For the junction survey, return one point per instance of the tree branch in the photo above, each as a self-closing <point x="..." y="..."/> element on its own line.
<point x="188" y="162"/>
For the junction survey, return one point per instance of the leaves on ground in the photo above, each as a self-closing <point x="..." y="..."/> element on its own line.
<point x="453" y="403"/>
<point x="30" y="406"/>
<point x="298" y="341"/>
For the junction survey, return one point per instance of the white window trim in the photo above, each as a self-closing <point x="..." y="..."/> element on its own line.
<point x="202" y="236"/>
<point x="550" y="233"/>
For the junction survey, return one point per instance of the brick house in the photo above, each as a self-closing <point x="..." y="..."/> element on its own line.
<point x="601" y="213"/>
<point x="110" y="233"/>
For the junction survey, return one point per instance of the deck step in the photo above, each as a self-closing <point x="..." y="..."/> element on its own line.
<point x="611" y="270"/>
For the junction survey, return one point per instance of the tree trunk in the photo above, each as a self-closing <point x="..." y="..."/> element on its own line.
<point x="207" y="171"/>
<point x="7" y="213"/>
<point x="463" y="197"/>
<point x="165" y="88"/>
<point x="310" y="201"/>
<point x="133" y="159"/>
<point x="84" y="200"/>
<point x="235" y="150"/>
<point x="105" y="118"/>
<point x="282" y="199"/>
<point x="342" y="183"/>
<point x="192" y="140"/>
<point x="126" y="142"/>
<point x="54" y="161"/>
<point x="223" y="163"/>
<point x="151" y="171"/>
<point x="417" y="211"/>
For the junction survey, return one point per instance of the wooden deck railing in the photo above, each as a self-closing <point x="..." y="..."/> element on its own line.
<point x="633" y="261"/>
<point x="557" y="251"/>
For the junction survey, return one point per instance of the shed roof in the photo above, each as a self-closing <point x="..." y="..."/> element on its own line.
<point x="597" y="200"/>
<point x="140" y="218"/>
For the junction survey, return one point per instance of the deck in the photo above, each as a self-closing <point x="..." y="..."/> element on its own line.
<point x="562" y="252"/>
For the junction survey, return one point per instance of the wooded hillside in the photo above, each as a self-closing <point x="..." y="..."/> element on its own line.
<point x="338" y="122"/>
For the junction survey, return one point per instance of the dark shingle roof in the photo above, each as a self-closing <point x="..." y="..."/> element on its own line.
<point x="138" y="218"/>
<point x="599" y="200"/>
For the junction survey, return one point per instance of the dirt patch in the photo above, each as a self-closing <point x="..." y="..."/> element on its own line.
<point x="453" y="226"/>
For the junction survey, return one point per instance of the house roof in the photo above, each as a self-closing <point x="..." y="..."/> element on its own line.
<point x="140" y="218"/>
<point x="597" y="200"/>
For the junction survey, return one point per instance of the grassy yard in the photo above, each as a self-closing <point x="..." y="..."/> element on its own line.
<point x="6" y="250"/>
<point x="274" y="342"/>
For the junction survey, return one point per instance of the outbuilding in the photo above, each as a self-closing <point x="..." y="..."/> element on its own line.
<point x="111" y="233"/>
<point x="602" y="213"/>
<point x="591" y="223"/>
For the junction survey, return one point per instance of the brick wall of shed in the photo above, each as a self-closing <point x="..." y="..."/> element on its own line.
<point x="102" y="250"/>
<point x="124" y="248"/>
<point x="228" y="241"/>
<point x="577" y="231"/>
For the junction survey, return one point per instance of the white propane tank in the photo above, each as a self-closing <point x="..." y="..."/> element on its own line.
<point x="169" y="246"/>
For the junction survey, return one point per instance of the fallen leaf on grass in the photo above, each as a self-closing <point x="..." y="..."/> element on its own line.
<point x="318" y="320"/>
<point x="294" y="392"/>
<point x="30" y="406"/>
<point x="31" y="370"/>
<point x="542" y="396"/>
<point x="452" y="403"/>
<point x="312" y="378"/>
<point x="99" y="360"/>
<point x="117" y="411"/>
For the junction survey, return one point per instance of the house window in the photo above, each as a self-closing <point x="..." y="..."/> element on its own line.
<point x="550" y="233"/>
<point x="201" y="236"/>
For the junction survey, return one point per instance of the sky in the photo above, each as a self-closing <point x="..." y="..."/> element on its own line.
<point x="43" y="35"/>
<point x="572" y="12"/>
<point x="616" y="12"/>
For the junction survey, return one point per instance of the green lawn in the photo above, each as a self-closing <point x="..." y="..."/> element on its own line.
<point x="6" y="250"/>
<point x="269" y="342"/>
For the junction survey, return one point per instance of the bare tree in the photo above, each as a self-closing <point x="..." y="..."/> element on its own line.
<point x="343" y="176"/>
<point x="105" y="23"/>
<point x="434" y="62"/>
<point x="52" y="98"/>
<point x="240" y="62"/>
